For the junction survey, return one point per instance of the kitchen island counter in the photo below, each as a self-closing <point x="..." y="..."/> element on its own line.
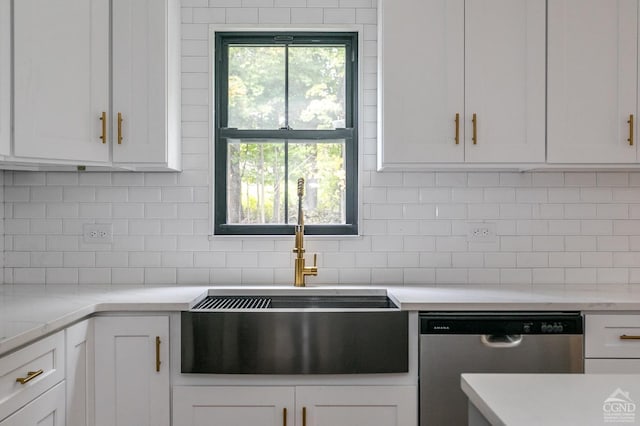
<point x="552" y="399"/>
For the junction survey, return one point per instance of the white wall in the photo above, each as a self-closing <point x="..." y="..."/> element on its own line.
<point x="553" y="227"/>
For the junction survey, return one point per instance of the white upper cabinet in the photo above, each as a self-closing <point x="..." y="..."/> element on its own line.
<point x="444" y="62"/>
<point x="592" y="80"/>
<point x="5" y="77"/>
<point x="61" y="79"/>
<point x="97" y="82"/>
<point x="146" y="82"/>
<point x="421" y="82"/>
<point x="505" y="81"/>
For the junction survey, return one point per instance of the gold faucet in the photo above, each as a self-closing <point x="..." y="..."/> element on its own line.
<point x="302" y="271"/>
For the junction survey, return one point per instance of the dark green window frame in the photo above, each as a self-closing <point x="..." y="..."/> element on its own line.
<point x="222" y="133"/>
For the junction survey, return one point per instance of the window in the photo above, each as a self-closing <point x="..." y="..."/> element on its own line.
<point x="285" y="108"/>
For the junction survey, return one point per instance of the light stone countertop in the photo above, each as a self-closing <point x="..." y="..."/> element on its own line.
<point x="28" y="312"/>
<point x="555" y="399"/>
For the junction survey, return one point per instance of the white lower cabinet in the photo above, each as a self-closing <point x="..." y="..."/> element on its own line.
<point x="612" y="344"/>
<point x="295" y="405"/>
<point x="46" y="410"/>
<point x="80" y="374"/>
<point x="132" y="371"/>
<point x="356" y="405"/>
<point x="233" y="405"/>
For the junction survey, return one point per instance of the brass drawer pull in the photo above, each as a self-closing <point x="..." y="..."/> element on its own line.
<point x="158" y="353"/>
<point x="103" y="118"/>
<point x="284" y="417"/>
<point x="474" y="120"/>
<point x="30" y="376"/>
<point x="304" y="416"/>
<point x="457" y="128"/>
<point x="625" y="337"/>
<point x="630" y="140"/>
<point x="120" y="120"/>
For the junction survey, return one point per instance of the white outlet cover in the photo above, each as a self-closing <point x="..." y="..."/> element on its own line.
<point x="481" y="232"/>
<point x="97" y="233"/>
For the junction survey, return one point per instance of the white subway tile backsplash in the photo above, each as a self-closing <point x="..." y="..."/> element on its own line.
<point x="28" y="275"/>
<point x="532" y="260"/>
<point x="548" y="276"/>
<point x="61" y="276"/>
<point x="127" y="276"/>
<point x="612" y="275"/>
<point x="144" y="259"/>
<point x="307" y="15"/>
<point x="516" y="276"/>
<point x="94" y="275"/>
<point x="18" y="259"/>
<point x="452" y="276"/>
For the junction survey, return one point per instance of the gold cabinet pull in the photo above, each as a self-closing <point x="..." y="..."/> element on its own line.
<point x="630" y="121"/>
<point x="626" y="337"/>
<point x="103" y="118"/>
<point x="474" y="120"/>
<point x="120" y="119"/>
<point x="158" y="353"/>
<point x="304" y="416"/>
<point x="457" y="128"/>
<point x="30" y="376"/>
<point x="284" y="417"/>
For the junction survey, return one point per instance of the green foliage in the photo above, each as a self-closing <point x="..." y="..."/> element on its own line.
<point x="257" y="101"/>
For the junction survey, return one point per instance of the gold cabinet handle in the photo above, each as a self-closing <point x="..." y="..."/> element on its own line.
<point x="304" y="416"/>
<point x="474" y="120"/>
<point x="625" y="337"/>
<point x="457" y="128"/>
<point x="103" y="118"/>
<point x="630" y="140"/>
<point x="30" y="376"/>
<point x="284" y="417"/>
<point x="158" y="353"/>
<point x="120" y="128"/>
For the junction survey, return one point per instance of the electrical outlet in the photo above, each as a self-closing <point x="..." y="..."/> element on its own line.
<point x="98" y="233"/>
<point x="484" y="232"/>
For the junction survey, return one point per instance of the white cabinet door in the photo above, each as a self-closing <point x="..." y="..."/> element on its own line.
<point x="505" y="81"/>
<point x="130" y="391"/>
<point x="46" y="410"/>
<point x="80" y="371"/>
<point x="592" y="80"/>
<point x="5" y="77"/>
<point x="421" y="82"/>
<point x="146" y="120"/>
<point x="357" y="405"/>
<point x="61" y="79"/>
<point x="233" y="405"/>
<point x="440" y="59"/>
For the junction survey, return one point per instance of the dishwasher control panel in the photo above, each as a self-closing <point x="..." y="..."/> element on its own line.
<point x="501" y="323"/>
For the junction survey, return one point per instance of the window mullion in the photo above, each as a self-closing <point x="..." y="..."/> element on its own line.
<point x="286" y="86"/>
<point x="286" y="181"/>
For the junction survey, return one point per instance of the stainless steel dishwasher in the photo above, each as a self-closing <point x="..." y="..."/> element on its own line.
<point x="456" y="343"/>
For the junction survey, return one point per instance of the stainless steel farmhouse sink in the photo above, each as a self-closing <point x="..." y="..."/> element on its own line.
<point x="310" y="331"/>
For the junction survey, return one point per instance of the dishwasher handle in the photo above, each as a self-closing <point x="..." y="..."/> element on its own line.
<point x="501" y="341"/>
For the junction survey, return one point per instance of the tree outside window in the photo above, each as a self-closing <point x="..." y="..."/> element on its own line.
<point x="285" y="108"/>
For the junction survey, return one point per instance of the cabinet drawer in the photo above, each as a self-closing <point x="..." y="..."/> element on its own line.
<point x="47" y="409"/>
<point x="611" y="366"/>
<point x="46" y="355"/>
<point x="612" y="336"/>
